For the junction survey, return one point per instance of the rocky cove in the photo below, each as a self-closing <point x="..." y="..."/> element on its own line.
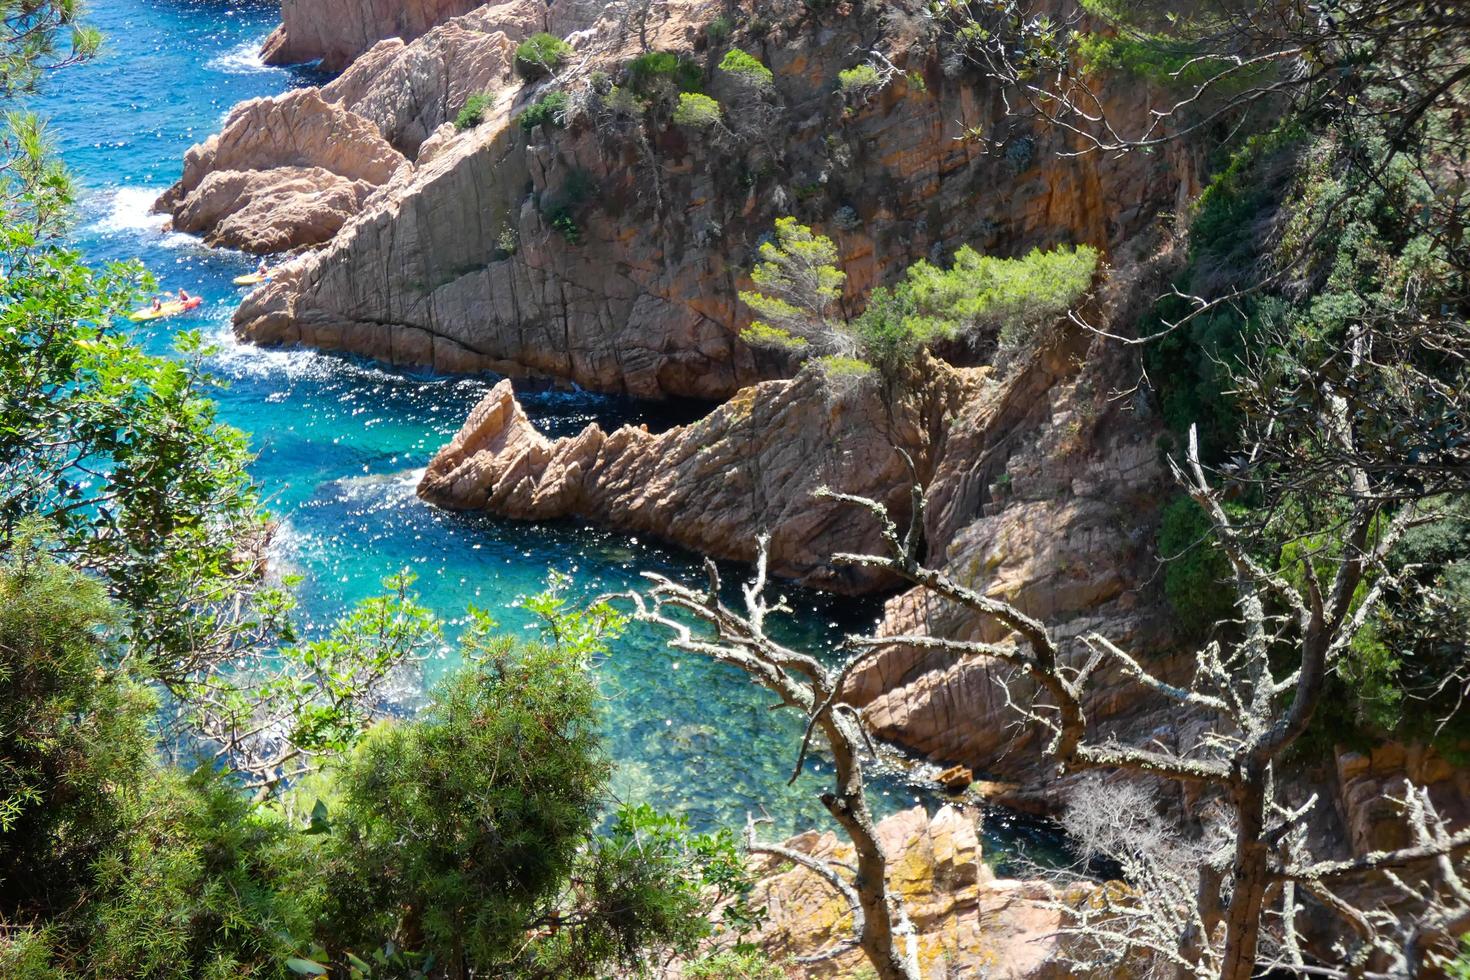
<point x="606" y="251"/>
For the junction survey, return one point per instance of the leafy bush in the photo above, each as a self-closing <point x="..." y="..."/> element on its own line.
<point x="648" y="71"/>
<point x="72" y="738"/>
<point x="474" y="110"/>
<point x="747" y="68"/>
<point x="798" y="285"/>
<point x="842" y="367"/>
<point x="696" y="111"/>
<point x="1197" y="576"/>
<point x="719" y="29"/>
<point x="739" y="964"/>
<point x="549" y="109"/>
<point x="561" y="218"/>
<point x="859" y="80"/>
<point x="978" y="293"/>
<point x="541" y="54"/>
<point x="494" y="837"/>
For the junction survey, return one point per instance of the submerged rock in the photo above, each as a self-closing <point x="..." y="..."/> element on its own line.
<point x="751" y="466"/>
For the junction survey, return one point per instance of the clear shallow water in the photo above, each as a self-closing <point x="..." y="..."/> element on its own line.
<point x="341" y="441"/>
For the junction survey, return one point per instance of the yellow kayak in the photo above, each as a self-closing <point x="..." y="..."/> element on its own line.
<point x="253" y="279"/>
<point x="171" y="308"/>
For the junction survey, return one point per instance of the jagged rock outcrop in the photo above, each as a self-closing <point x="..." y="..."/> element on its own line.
<point x="752" y="465"/>
<point x="284" y="172"/>
<point x="336" y="31"/>
<point x="969" y="922"/>
<point x="608" y="251"/>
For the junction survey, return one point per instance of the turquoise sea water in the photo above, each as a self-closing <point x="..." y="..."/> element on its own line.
<point x="341" y="441"/>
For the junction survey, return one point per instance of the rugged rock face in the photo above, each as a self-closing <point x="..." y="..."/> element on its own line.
<point x="608" y="251"/>
<point x="751" y="465"/>
<point x="969" y="923"/>
<point x="1044" y="496"/>
<point x="337" y="31"/>
<point x="284" y="172"/>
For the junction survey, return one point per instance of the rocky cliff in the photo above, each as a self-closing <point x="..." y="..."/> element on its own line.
<point x="970" y="923"/>
<point x="752" y="465"/>
<point x="335" y="32"/>
<point x="605" y="246"/>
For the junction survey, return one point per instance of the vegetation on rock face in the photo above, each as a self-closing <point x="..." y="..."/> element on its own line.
<point x="799" y="288"/>
<point x="696" y="111"/>
<point x="747" y="68"/>
<point x="540" y="55"/>
<point x="473" y="112"/>
<point x="549" y="110"/>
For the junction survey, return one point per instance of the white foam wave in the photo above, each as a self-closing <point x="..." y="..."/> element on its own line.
<point x="239" y="359"/>
<point x="131" y="209"/>
<point x="241" y="60"/>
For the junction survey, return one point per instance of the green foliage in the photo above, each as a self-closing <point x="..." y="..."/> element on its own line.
<point x="1197" y="577"/>
<point x="204" y="886"/>
<point x="549" y="109"/>
<point x="656" y="71"/>
<point x="119" y="452"/>
<point x="501" y="777"/>
<point x="735" y="964"/>
<point x="473" y="112"/>
<point x="1160" y="60"/>
<point x="797" y="288"/>
<point x="696" y="111"/>
<point x="1014" y="296"/>
<point x="838" y="367"/>
<point x="860" y="80"/>
<point x="38" y="36"/>
<point x="541" y="54"/>
<point x="73" y="737"/>
<point x="719" y="30"/>
<point x="747" y="69"/>
<point x="560" y="218"/>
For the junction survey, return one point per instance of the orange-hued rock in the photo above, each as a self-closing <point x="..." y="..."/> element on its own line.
<point x="284" y="172"/>
<point x="609" y="251"/>
<point x="336" y="31"/>
<point x="751" y="465"/>
<point x="969" y="923"/>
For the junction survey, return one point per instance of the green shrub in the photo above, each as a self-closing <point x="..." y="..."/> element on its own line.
<point x="474" y="110"/>
<point x="647" y="71"/>
<point x="738" y="964"/>
<point x="748" y="69"/>
<point x="719" y="29"/>
<point x="1013" y="297"/>
<point x="549" y="109"/>
<point x="859" y="80"/>
<point x="841" y="366"/>
<point x="74" y="739"/>
<point x="207" y="887"/>
<point x="493" y="836"/>
<point x="561" y="218"/>
<point x="696" y="111"/>
<point x="541" y="54"/>
<point x="1197" y="575"/>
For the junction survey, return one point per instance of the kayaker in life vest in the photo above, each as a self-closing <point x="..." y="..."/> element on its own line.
<point x="184" y="297"/>
<point x="262" y="270"/>
<point x="157" y="304"/>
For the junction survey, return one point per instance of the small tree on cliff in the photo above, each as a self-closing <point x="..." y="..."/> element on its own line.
<point x="798" y="294"/>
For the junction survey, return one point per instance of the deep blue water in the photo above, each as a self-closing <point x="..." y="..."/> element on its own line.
<point x="341" y="441"/>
